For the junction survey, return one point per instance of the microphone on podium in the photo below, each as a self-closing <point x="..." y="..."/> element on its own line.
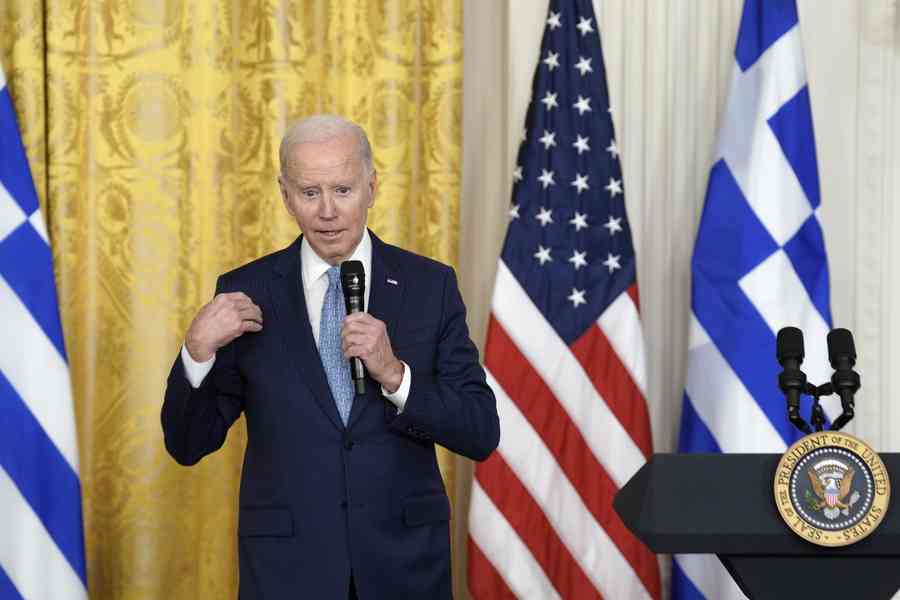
<point x="792" y="381"/>
<point x="842" y="356"/>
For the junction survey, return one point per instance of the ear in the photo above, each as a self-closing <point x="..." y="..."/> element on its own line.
<point x="284" y="196"/>
<point x="373" y="188"/>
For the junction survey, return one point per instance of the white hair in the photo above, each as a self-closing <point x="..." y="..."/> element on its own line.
<point x="321" y="128"/>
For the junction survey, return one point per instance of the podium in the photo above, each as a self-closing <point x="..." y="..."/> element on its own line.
<point x="723" y="504"/>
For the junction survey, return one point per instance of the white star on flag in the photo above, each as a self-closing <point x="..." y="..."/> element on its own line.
<point x="613" y="225"/>
<point x="584" y="26"/>
<point x="546" y="178"/>
<point x="583" y="105"/>
<point x="552" y="60"/>
<point x="543" y="254"/>
<point x="549" y="100"/>
<point x="581" y="144"/>
<point x="553" y="20"/>
<point x="545" y="216"/>
<point x="577" y="297"/>
<point x="578" y="259"/>
<point x="579" y="221"/>
<point x="581" y="182"/>
<point x="584" y="66"/>
<point x="517" y="173"/>
<point x="613" y="149"/>
<point x="614" y="187"/>
<point x="514" y="211"/>
<point x="612" y="262"/>
<point x="548" y="139"/>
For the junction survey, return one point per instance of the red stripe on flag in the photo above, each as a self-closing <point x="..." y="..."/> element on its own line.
<point x="614" y="383"/>
<point x="564" y="440"/>
<point x="635" y="297"/>
<point x="528" y="520"/>
<point x="485" y="583"/>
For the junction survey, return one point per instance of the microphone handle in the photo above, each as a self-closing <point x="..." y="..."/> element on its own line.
<point x="358" y="374"/>
<point x="357" y="368"/>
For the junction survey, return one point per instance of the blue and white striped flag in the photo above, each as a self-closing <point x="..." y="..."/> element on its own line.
<point x="41" y="532"/>
<point x="759" y="264"/>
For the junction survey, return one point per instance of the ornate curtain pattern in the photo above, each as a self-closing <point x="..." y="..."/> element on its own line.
<point x="152" y="129"/>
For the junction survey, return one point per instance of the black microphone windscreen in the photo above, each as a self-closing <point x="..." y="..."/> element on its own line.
<point x="789" y="344"/>
<point x="352" y="267"/>
<point x="840" y="345"/>
<point x="353" y="284"/>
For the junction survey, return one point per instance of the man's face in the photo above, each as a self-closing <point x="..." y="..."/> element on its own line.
<point x="327" y="190"/>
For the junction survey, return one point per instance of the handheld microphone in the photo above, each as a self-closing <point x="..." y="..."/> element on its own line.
<point x="842" y="356"/>
<point x="792" y="381"/>
<point x="353" y="284"/>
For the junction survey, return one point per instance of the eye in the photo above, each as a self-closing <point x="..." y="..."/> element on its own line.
<point x="342" y="190"/>
<point x="310" y="193"/>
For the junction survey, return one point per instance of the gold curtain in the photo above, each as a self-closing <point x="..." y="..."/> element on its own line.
<point x="152" y="129"/>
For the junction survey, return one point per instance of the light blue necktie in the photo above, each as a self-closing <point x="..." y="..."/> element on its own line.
<point x="337" y="368"/>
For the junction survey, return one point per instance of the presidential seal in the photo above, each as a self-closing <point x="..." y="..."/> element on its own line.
<point x="831" y="488"/>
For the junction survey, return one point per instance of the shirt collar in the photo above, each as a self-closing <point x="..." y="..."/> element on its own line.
<point x="314" y="267"/>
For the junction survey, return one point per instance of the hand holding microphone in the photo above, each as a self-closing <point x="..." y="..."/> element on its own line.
<point x="364" y="339"/>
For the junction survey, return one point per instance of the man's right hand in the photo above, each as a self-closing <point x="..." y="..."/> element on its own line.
<point x="224" y="318"/>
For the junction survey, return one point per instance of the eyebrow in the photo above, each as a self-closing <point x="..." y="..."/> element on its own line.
<point x="336" y="183"/>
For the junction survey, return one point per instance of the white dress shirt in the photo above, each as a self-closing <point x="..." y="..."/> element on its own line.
<point x="315" y="284"/>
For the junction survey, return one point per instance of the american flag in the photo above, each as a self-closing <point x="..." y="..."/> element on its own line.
<point x="564" y="352"/>
<point x="41" y="536"/>
<point x="759" y="264"/>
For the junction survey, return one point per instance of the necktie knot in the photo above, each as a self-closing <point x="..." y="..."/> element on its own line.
<point x="334" y="276"/>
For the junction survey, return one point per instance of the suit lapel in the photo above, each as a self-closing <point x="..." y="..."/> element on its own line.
<point x="292" y="321"/>
<point x="385" y="295"/>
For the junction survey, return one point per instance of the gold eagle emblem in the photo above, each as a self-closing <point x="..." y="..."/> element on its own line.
<point x="829" y="494"/>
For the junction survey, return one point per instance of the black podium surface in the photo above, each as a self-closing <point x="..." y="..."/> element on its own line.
<point x="724" y="504"/>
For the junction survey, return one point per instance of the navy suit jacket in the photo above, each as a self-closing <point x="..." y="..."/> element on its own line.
<point x="318" y="499"/>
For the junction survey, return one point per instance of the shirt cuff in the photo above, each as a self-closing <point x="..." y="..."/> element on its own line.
<point x="195" y="371"/>
<point x="398" y="398"/>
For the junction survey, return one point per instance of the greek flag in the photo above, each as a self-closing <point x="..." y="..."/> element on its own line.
<point x="759" y="264"/>
<point x="41" y="536"/>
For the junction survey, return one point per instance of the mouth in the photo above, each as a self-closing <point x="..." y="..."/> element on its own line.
<point x="329" y="234"/>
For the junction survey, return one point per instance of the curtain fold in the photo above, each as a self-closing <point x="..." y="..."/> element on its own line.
<point x="152" y="127"/>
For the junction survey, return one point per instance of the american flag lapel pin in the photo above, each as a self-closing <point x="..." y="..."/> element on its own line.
<point x="392" y="281"/>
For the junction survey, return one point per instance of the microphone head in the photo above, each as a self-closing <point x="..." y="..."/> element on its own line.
<point x="789" y="345"/>
<point x="840" y="345"/>
<point x="353" y="277"/>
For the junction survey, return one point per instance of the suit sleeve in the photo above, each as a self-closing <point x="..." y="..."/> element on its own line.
<point x="195" y="421"/>
<point x="453" y="405"/>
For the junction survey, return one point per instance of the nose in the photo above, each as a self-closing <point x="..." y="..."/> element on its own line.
<point x="327" y="208"/>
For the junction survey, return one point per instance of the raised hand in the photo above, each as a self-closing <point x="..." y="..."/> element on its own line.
<point x="222" y="319"/>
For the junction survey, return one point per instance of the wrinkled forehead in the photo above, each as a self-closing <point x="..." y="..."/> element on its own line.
<point x="333" y="161"/>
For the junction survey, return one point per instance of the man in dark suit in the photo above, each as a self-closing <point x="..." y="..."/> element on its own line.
<point x="340" y="493"/>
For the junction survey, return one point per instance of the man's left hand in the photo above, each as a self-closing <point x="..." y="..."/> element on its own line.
<point x="365" y="336"/>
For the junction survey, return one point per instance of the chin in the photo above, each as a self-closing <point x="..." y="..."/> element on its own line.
<point x="332" y="253"/>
